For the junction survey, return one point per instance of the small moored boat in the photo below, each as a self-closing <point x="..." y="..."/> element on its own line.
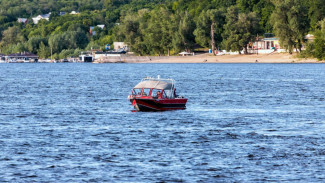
<point x="156" y="94"/>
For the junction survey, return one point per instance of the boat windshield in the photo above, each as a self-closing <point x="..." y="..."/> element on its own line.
<point x="146" y="92"/>
<point x="155" y="93"/>
<point x="168" y="93"/>
<point x="136" y="91"/>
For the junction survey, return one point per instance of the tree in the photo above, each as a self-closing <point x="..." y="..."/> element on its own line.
<point x="184" y="37"/>
<point x="316" y="12"/>
<point x="43" y="51"/>
<point x="20" y="47"/>
<point x="209" y="27"/>
<point x="224" y="3"/>
<point x="149" y="32"/>
<point x="159" y="33"/>
<point x="290" y="23"/>
<point x="157" y="27"/>
<point x="109" y="4"/>
<point x="130" y="31"/>
<point x="68" y="40"/>
<point x="76" y="39"/>
<point x="246" y="6"/>
<point x="264" y="9"/>
<point x="66" y="53"/>
<point x="77" y="27"/>
<point x="108" y="39"/>
<point x="12" y="36"/>
<point x="57" y="43"/>
<point x="92" y="45"/>
<point x="34" y="43"/>
<point x="319" y="52"/>
<point x="240" y="29"/>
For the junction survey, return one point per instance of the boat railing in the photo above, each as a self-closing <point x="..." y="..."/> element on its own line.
<point x="158" y="79"/>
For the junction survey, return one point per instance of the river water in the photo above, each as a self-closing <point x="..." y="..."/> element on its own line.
<point x="72" y="122"/>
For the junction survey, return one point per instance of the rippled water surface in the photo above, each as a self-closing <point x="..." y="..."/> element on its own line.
<point x="243" y="123"/>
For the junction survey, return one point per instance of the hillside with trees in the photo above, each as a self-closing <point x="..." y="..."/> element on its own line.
<point x="159" y="27"/>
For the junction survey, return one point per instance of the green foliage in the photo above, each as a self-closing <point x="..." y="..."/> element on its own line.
<point x="241" y="28"/>
<point x="184" y="38"/>
<point x="66" y="53"/>
<point x="159" y="32"/>
<point x="130" y="31"/>
<point x="309" y="51"/>
<point x="68" y="40"/>
<point x="264" y="9"/>
<point x="246" y="6"/>
<point x="149" y="32"/>
<point x="33" y="44"/>
<point x="290" y="23"/>
<point x="157" y="27"/>
<point x="43" y="51"/>
<point x="209" y="27"/>
<point x="107" y="39"/>
<point x="11" y="36"/>
<point x="93" y="46"/>
<point x="320" y="41"/>
<point x="202" y="31"/>
<point x="316" y="48"/>
<point x="316" y="12"/>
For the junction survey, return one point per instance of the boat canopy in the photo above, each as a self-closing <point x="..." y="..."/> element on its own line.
<point x="157" y="83"/>
<point x="162" y="85"/>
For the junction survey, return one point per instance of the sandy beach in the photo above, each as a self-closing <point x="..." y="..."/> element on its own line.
<point x="261" y="58"/>
<point x="209" y="58"/>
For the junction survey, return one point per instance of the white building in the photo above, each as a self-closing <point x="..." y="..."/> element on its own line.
<point x="101" y="26"/>
<point x="121" y="46"/>
<point x="23" y="20"/>
<point x="74" y="13"/>
<point x="41" y="17"/>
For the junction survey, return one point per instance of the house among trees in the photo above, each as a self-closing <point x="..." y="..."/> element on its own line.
<point x="41" y="17"/>
<point x="74" y="13"/>
<point x="91" y="32"/>
<point x="22" y="20"/>
<point x="101" y="26"/>
<point x="118" y="46"/>
<point x="266" y="45"/>
<point x="310" y="37"/>
<point x="62" y="13"/>
<point x="270" y="43"/>
<point x="91" y="29"/>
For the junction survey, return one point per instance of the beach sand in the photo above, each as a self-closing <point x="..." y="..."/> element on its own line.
<point x="209" y="58"/>
<point x="261" y="58"/>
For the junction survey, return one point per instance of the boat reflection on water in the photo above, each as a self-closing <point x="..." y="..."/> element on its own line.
<point x="156" y="94"/>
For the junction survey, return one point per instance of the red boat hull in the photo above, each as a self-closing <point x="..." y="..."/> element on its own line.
<point x="149" y="104"/>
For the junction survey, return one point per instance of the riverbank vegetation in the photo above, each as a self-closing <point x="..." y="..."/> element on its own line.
<point x="160" y="27"/>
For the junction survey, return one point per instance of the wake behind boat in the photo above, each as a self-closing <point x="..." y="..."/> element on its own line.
<point x="156" y="94"/>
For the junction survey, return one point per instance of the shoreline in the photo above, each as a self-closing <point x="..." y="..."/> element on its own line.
<point x="209" y="58"/>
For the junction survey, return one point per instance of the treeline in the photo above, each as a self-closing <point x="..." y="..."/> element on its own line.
<point x="160" y="27"/>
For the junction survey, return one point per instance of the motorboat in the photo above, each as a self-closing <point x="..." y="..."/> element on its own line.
<point x="156" y="94"/>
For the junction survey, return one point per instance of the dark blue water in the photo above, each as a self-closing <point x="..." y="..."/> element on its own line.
<point x="243" y="123"/>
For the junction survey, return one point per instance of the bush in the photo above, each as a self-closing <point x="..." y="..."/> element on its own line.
<point x="319" y="48"/>
<point x="309" y="52"/>
<point x="66" y="53"/>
